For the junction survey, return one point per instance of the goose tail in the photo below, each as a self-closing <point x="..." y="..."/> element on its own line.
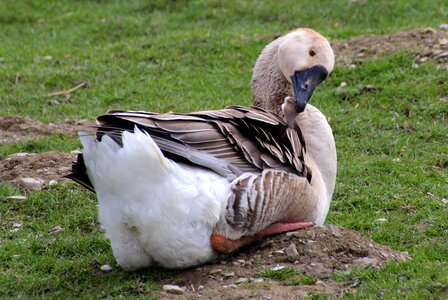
<point x="107" y="164"/>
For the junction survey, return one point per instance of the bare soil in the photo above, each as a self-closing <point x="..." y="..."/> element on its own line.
<point x="17" y="129"/>
<point x="322" y="251"/>
<point x="45" y="166"/>
<point x="426" y="44"/>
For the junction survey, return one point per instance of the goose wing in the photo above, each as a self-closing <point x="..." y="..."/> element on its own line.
<point x="230" y="141"/>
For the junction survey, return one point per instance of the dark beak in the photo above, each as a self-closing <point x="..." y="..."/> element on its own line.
<point x="304" y="82"/>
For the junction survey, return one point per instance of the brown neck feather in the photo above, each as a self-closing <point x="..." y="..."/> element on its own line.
<point x="269" y="86"/>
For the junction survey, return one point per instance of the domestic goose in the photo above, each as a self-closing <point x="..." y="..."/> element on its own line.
<point x="177" y="190"/>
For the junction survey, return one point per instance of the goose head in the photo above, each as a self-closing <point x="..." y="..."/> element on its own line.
<point x="292" y="65"/>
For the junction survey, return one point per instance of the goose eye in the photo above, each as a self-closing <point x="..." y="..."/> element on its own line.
<point x="312" y="52"/>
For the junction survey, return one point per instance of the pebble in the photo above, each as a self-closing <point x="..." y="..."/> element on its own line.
<point x="256" y="280"/>
<point x="106" y="268"/>
<point x="278" y="253"/>
<point x="215" y="271"/>
<point x="291" y="252"/>
<point x="384" y="254"/>
<point x="31" y="184"/>
<point x="52" y="182"/>
<point x="365" y="261"/>
<point x="239" y="262"/>
<point x="441" y="55"/>
<point x="229" y="275"/>
<point x="17" y="198"/>
<point x="56" y="230"/>
<point x="241" y="280"/>
<point x="230" y="286"/>
<point x="200" y="288"/>
<point x="17" y="225"/>
<point x="173" y="289"/>
<point x="278" y="268"/>
<point x="443" y="27"/>
<point x="333" y="229"/>
<point x="382" y="220"/>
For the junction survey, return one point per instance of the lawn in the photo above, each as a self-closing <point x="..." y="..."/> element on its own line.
<point x="190" y="55"/>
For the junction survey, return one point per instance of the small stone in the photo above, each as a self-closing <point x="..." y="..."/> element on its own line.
<point x="278" y="268"/>
<point x="173" y="289"/>
<point x="443" y="41"/>
<point x="443" y="27"/>
<point x="415" y="66"/>
<point x="384" y="254"/>
<point x="52" y="182"/>
<point x="441" y="55"/>
<point x="54" y="102"/>
<point x="333" y="229"/>
<point x="278" y="253"/>
<point x="16" y="198"/>
<point x="343" y="84"/>
<point x="229" y="275"/>
<point x="352" y="66"/>
<point x="256" y="280"/>
<point x="230" y="286"/>
<point x="106" y="268"/>
<point x="291" y="252"/>
<point x="17" y="225"/>
<point x="365" y="261"/>
<point x="48" y="57"/>
<point x="200" y="288"/>
<point x="215" y="272"/>
<point x="31" y="184"/>
<point x="381" y="220"/>
<point x="56" y="230"/>
<point x="444" y="201"/>
<point x="241" y="280"/>
<point x="293" y="233"/>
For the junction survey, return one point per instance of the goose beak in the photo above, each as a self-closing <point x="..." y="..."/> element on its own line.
<point x="304" y="82"/>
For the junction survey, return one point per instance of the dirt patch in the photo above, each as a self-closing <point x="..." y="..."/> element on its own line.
<point x="426" y="44"/>
<point x="16" y="129"/>
<point x="321" y="252"/>
<point x="43" y="167"/>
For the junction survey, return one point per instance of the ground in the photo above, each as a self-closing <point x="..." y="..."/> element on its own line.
<point x="261" y="271"/>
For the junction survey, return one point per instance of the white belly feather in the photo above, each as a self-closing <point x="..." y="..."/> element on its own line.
<point x="153" y="209"/>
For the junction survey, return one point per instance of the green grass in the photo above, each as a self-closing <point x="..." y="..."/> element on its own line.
<point x="183" y="56"/>
<point x="289" y="276"/>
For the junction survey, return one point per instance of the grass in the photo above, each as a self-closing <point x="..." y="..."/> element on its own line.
<point x="183" y="56"/>
<point x="289" y="276"/>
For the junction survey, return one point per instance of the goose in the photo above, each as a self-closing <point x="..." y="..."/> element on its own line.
<point x="180" y="189"/>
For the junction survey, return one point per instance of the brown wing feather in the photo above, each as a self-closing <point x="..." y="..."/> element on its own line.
<point x="246" y="138"/>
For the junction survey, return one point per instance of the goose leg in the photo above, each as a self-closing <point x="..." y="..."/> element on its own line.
<point x="223" y="245"/>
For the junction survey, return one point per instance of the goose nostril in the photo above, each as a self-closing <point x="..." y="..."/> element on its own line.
<point x="305" y="86"/>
